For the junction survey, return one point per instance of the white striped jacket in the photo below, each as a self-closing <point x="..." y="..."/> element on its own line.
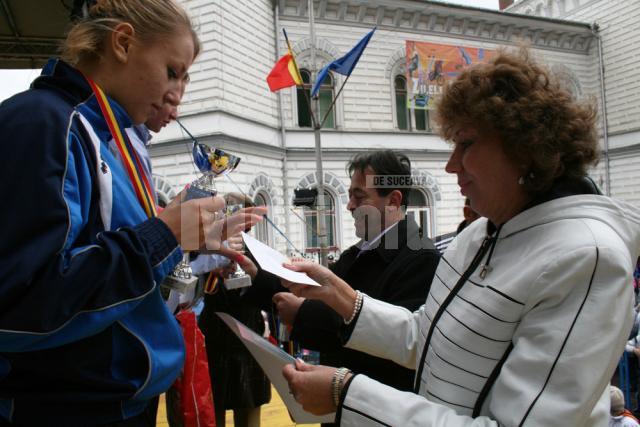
<point x="534" y="342"/>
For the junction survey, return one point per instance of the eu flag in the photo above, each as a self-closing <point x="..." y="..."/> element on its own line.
<point x="344" y="65"/>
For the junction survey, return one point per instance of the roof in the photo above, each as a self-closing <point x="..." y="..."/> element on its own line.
<point x="31" y="31"/>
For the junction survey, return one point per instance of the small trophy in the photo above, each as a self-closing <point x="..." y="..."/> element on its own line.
<point x="239" y="278"/>
<point x="212" y="162"/>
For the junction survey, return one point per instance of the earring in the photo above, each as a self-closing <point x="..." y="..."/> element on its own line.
<point x="521" y="180"/>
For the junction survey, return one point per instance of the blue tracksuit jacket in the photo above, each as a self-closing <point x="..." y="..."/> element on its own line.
<point x="85" y="338"/>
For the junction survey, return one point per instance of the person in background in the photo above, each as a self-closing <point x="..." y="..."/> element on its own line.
<point x="469" y="216"/>
<point x="620" y="417"/>
<point x="140" y="135"/>
<point x="85" y="338"/>
<point x="441" y="242"/>
<point x="391" y="262"/>
<point x="529" y="309"/>
<point x="237" y="380"/>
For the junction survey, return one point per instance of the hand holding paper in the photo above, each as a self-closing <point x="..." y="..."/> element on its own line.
<point x="333" y="291"/>
<point x="271" y="260"/>
<point x="272" y="360"/>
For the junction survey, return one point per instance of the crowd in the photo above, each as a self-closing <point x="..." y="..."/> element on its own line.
<point x="520" y="320"/>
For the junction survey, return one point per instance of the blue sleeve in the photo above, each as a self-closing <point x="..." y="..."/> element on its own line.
<point x="62" y="277"/>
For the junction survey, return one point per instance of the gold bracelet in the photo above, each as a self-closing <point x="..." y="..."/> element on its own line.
<point x="337" y="384"/>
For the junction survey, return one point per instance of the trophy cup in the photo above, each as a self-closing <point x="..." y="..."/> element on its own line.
<point x="212" y="162"/>
<point x="239" y="278"/>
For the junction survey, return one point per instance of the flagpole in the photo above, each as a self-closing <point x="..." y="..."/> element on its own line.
<point x="320" y="200"/>
<point x="295" y="65"/>
<point x="333" y="101"/>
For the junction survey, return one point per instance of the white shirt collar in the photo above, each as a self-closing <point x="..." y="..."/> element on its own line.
<point x="366" y="245"/>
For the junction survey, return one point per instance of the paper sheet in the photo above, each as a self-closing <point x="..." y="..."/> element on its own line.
<point x="271" y="260"/>
<point x="272" y="359"/>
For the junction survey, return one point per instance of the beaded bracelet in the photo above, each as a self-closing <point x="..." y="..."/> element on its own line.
<point x="356" y="308"/>
<point x="337" y="383"/>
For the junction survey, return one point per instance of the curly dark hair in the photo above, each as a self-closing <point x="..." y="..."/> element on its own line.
<point x="541" y="127"/>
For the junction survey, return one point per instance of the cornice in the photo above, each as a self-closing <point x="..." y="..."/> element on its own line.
<point x="447" y="20"/>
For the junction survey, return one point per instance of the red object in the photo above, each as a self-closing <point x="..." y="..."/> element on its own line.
<point x="190" y="399"/>
<point x="284" y="74"/>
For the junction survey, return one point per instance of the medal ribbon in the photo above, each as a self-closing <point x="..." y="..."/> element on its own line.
<point x="212" y="283"/>
<point x="128" y="154"/>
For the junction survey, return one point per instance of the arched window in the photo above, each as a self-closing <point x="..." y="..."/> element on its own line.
<point x="402" y="112"/>
<point x="419" y="209"/>
<point x="325" y="96"/>
<point x="311" y="219"/>
<point x="261" y="229"/>
<point x="304" y="109"/>
<point x="406" y="118"/>
<point x="422" y="119"/>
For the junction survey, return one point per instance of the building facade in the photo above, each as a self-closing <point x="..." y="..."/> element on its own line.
<point x="228" y="103"/>
<point x="619" y="36"/>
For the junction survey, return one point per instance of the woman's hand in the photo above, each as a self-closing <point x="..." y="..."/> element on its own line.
<point x="334" y="291"/>
<point x="310" y="386"/>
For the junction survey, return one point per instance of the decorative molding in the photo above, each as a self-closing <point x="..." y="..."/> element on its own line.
<point x="262" y="183"/>
<point x="397" y="63"/>
<point x="330" y="181"/>
<point x="164" y="190"/>
<point x="428" y="183"/>
<point x="567" y="79"/>
<point x="447" y="20"/>
<point x="324" y="48"/>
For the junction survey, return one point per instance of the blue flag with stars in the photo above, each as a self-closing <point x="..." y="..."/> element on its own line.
<point x="344" y="65"/>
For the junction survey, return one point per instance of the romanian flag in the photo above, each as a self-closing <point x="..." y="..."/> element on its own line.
<point x="284" y="74"/>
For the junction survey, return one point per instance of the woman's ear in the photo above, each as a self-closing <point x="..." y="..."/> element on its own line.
<point x="121" y="41"/>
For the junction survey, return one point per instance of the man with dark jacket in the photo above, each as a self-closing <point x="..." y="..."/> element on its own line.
<point x="391" y="262"/>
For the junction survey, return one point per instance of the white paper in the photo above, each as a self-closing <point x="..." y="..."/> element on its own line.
<point x="272" y="360"/>
<point x="271" y="260"/>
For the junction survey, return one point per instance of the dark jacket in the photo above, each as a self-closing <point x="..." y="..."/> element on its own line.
<point x="237" y="379"/>
<point x="398" y="271"/>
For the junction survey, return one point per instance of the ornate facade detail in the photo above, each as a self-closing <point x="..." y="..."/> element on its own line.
<point x="452" y="21"/>
<point x="427" y="183"/>
<point x="397" y="64"/>
<point x="325" y="49"/>
<point x="567" y="79"/>
<point x="331" y="182"/>
<point x="164" y="190"/>
<point x="262" y="183"/>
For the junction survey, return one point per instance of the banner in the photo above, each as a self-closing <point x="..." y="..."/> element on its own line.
<point x="430" y="66"/>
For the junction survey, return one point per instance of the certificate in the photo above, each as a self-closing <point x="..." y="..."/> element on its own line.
<point x="271" y="260"/>
<point x="272" y="359"/>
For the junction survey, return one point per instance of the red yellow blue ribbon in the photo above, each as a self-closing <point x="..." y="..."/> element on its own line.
<point x="212" y="283"/>
<point x="129" y="157"/>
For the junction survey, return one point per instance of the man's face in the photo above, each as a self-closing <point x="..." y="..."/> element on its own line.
<point x="366" y="206"/>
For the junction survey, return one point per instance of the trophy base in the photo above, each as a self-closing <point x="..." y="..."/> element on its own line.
<point x="236" y="282"/>
<point x="181" y="285"/>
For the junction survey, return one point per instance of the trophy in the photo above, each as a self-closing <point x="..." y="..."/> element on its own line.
<point x="212" y="162"/>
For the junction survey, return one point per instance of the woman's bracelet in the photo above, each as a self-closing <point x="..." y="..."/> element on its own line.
<point x="337" y="383"/>
<point x="356" y="308"/>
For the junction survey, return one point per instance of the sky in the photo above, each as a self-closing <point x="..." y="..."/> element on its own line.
<point x="14" y="81"/>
